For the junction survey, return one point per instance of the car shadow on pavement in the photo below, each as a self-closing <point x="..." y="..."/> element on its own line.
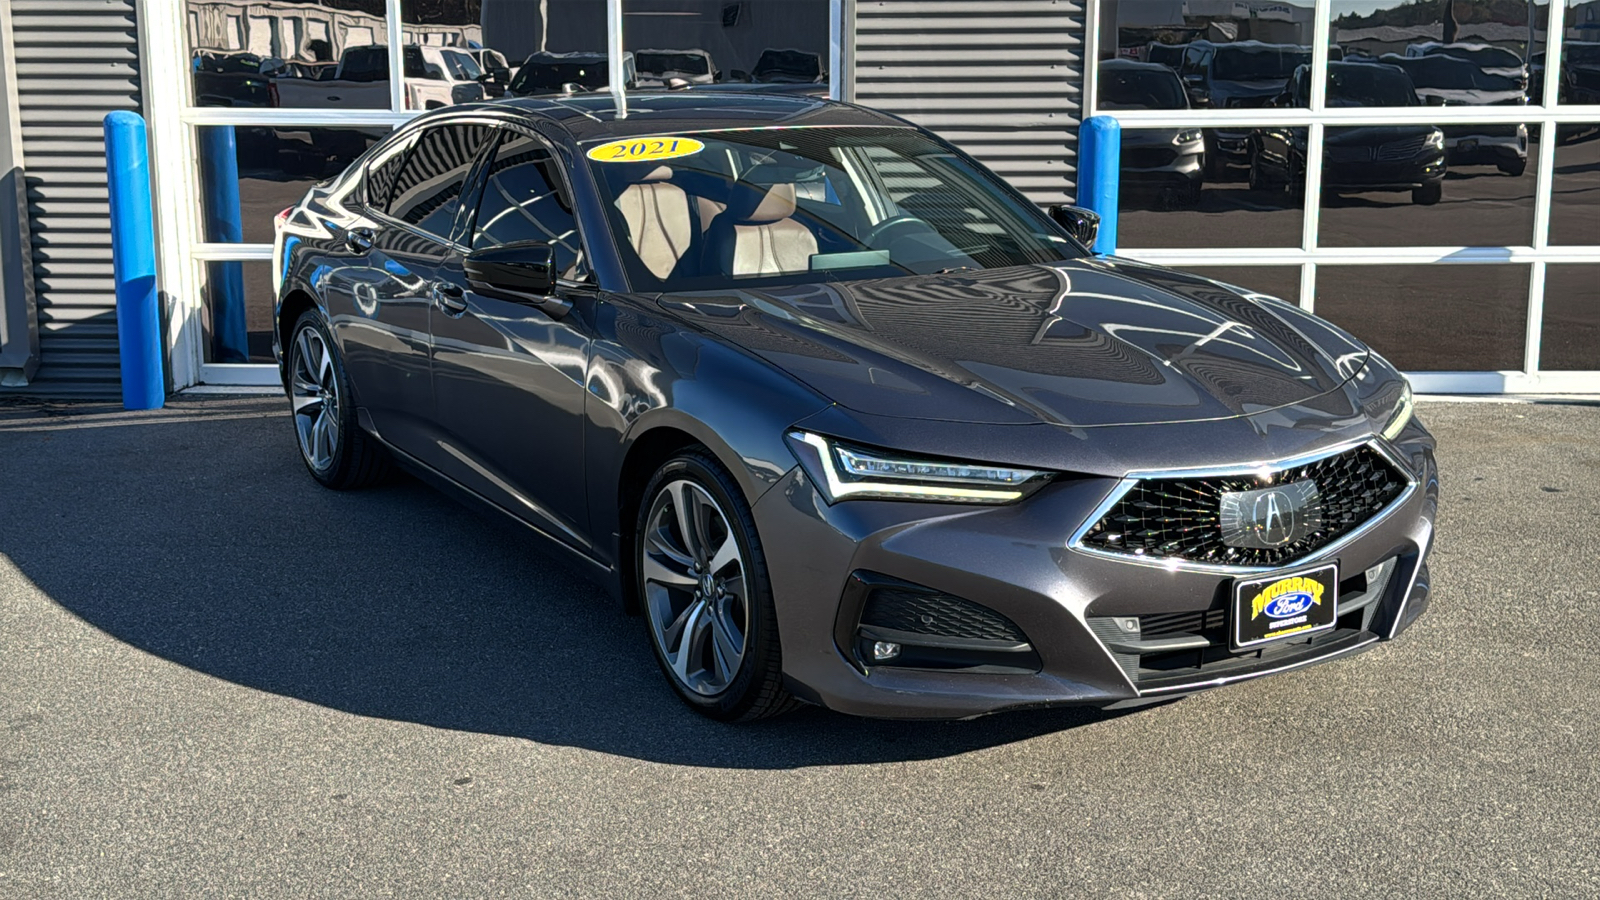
<point x="202" y="540"/>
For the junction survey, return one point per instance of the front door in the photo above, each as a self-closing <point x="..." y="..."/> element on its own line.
<point x="509" y="377"/>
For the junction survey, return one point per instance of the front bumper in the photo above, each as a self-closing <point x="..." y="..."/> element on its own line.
<point x="1016" y="561"/>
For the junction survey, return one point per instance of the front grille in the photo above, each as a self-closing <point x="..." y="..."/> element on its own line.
<point x="1148" y="157"/>
<point x="1348" y="154"/>
<point x="1180" y="518"/>
<point x="1405" y="148"/>
<point x="937" y="614"/>
<point x="1159" y="625"/>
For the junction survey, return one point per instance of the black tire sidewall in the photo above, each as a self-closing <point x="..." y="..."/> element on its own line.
<point x="761" y="658"/>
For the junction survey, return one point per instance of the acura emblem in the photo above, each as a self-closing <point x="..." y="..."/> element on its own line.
<point x="1272" y="517"/>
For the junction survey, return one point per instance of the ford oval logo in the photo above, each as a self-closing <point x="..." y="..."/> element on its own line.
<point x="1285" y="606"/>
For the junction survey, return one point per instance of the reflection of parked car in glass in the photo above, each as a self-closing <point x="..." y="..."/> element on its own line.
<point x="567" y="73"/>
<point x="1442" y="80"/>
<point x="494" y="65"/>
<point x="776" y="66"/>
<point x="1168" y="160"/>
<point x="1354" y="160"/>
<point x="1580" y="72"/>
<point x="1169" y="55"/>
<point x="434" y="77"/>
<point x="1231" y="76"/>
<point x="231" y="79"/>
<point x="657" y="67"/>
<point x="1491" y="59"/>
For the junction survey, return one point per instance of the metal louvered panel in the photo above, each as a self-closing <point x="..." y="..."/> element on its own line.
<point x="76" y="60"/>
<point x="1001" y="79"/>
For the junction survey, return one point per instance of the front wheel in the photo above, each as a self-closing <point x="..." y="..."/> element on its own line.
<point x="335" y="449"/>
<point x="702" y="582"/>
<point x="1428" y="194"/>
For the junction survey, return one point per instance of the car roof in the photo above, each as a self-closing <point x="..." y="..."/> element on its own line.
<point x="594" y="116"/>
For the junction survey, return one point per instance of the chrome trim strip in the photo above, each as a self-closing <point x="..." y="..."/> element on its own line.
<point x="1075" y="543"/>
<point x="1221" y="680"/>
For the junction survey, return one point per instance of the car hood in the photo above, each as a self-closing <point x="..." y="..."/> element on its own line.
<point x="1374" y="135"/>
<point x="1085" y="343"/>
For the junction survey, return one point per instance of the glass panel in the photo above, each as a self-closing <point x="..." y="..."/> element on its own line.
<point x="1418" y="185"/>
<point x="1431" y="318"/>
<point x="768" y="45"/>
<point x="458" y="51"/>
<point x="427" y="192"/>
<point x="1282" y="282"/>
<point x="1229" y="55"/>
<point x="1408" y="53"/>
<point x="1575" y="202"/>
<point x="1570" y="332"/>
<point x="1167" y="200"/>
<point x="237" y="317"/>
<point x="524" y="199"/>
<point x="249" y="174"/>
<point x="1580" y="53"/>
<point x="298" y="54"/>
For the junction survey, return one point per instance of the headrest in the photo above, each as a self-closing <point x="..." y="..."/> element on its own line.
<point x="765" y="194"/>
<point x="645" y="173"/>
<point x="659" y="173"/>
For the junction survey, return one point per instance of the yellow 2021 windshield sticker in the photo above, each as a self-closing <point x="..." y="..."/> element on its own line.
<point x="646" y="149"/>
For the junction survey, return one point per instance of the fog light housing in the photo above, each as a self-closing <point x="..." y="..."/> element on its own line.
<point x="884" y="650"/>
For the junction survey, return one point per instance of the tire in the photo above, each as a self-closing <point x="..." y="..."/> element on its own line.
<point x="1258" y="181"/>
<point x="1428" y="194"/>
<point x="698" y="611"/>
<point x="1514" y="169"/>
<point x="337" y="453"/>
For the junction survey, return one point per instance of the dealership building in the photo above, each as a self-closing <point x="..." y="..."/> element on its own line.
<point x="1274" y="144"/>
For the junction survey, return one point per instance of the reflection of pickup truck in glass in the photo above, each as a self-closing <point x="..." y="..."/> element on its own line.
<point x="434" y="77"/>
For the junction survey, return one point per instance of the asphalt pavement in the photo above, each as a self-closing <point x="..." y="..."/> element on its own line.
<point x="218" y="679"/>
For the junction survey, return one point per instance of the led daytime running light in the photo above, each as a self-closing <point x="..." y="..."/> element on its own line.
<point x="1402" y="415"/>
<point x="855" y="473"/>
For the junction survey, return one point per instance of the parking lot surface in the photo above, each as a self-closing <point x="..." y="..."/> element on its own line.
<point x="218" y="679"/>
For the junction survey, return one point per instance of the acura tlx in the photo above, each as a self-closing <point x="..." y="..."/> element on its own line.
<point x="844" y="417"/>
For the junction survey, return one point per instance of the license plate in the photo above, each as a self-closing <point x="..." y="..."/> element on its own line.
<point x="1285" y="604"/>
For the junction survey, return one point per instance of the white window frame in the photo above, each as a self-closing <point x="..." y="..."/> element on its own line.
<point x="164" y="40"/>
<point x="1308" y="256"/>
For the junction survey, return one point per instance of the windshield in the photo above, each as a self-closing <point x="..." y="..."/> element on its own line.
<point x="662" y="63"/>
<point x="1234" y="63"/>
<point x="1122" y="88"/>
<point x="462" y="67"/>
<point x="730" y="209"/>
<point x="787" y="66"/>
<point x="547" y="75"/>
<point x="1365" y="84"/>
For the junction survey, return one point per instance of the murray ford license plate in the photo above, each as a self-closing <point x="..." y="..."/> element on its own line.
<point x="1285" y="604"/>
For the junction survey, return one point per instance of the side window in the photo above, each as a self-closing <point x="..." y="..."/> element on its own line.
<point x="427" y="192"/>
<point x="523" y="200"/>
<point x="382" y="170"/>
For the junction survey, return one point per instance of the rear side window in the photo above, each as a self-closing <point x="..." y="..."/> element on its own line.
<point x="427" y="192"/>
<point x="523" y="200"/>
<point x="382" y="171"/>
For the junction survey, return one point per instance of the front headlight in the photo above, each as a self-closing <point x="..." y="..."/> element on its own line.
<point x="1401" y="416"/>
<point x="844" y="472"/>
<point x="1435" y="140"/>
<point x="1188" y="136"/>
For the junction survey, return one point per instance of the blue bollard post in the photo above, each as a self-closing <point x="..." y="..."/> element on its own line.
<point x="219" y="162"/>
<point x="1099" y="172"/>
<point x="133" y="258"/>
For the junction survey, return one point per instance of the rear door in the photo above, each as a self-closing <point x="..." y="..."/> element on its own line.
<point x="418" y="257"/>
<point x="509" y="377"/>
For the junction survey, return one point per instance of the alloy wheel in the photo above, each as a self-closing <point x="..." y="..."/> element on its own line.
<point x="696" y="592"/>
<point x="314" y="393"/>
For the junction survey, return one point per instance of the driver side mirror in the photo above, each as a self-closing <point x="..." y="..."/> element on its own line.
<point x="1081" y="223"/>
<point x="520" y="272"/>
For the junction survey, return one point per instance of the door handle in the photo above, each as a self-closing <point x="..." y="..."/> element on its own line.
<point x="449" y="298"/>
<point x="359" y="240"/>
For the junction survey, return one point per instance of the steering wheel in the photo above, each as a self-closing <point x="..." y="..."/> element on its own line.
<point x="875" y="237"/>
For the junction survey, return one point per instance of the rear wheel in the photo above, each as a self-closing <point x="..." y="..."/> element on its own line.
<point x="335" y="449"/>
<point x="1428" y="194"/>
<point x="702" y="581"/>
